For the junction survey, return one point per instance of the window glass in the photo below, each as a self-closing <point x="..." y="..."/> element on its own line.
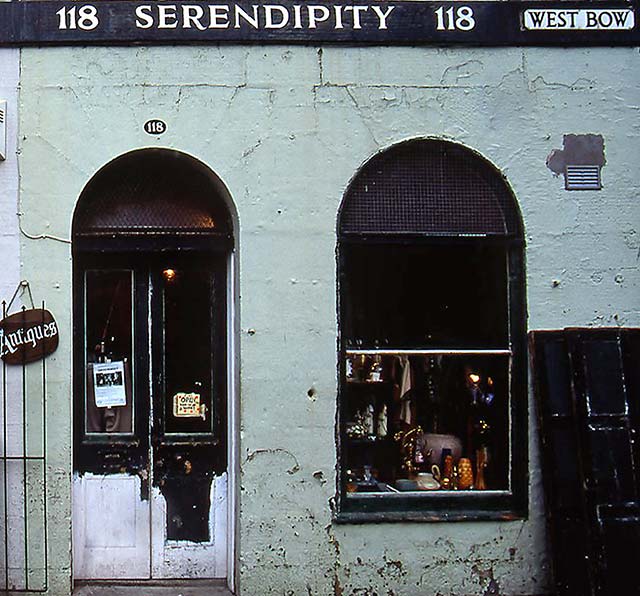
<point x="108" y="351"/>
<point x="405" y="412"/>
<point x="419" y="296"/>
<point x="188" y="350"/>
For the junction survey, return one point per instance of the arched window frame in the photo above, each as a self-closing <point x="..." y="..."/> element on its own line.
<point x="354" y="231"/>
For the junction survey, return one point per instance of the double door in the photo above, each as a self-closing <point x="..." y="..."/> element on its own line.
<point x="150" y="416"/>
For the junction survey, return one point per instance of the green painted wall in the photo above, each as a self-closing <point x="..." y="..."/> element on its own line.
<point x="286" y="128"/>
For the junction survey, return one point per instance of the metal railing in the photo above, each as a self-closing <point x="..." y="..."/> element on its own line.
<point x="23" y="473"/>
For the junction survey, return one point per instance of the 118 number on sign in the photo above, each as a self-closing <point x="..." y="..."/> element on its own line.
<point x="85" y="17"/>
<point x="455" y="19"/>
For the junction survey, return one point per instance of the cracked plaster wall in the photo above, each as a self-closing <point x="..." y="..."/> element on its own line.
<point x="9" y="242"/>
<point x="286" y="128"/>
<point x="9" y="278"/>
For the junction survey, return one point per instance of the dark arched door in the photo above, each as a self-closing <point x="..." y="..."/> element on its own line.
<point x="151" y="240"/>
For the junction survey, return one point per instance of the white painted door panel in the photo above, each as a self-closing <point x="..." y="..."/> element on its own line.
<point x="111" y="528"/>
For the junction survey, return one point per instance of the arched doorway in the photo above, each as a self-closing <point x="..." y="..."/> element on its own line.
<point x="152" y="239"/>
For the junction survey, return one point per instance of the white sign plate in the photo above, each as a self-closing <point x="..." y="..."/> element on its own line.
<point x="187" y="405"/>
<point x="579" y="19"/>
<point x="108" y="384"/>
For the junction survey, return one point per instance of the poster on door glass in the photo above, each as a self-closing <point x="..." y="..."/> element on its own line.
<point x="108" y="383"/>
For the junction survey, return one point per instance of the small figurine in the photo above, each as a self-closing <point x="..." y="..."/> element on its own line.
<point x="349" y="369"/>
<point x="407" y="440"/>
<point x="382" y="423"/>
<point x="375" y="374"/>
<point x="465" y="474"/>
<point x="369" y="420"/>
<point x="482" y="459"/>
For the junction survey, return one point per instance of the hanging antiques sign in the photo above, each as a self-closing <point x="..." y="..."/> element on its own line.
<point x="27" y="336"/>
<point x="405" y="22"/>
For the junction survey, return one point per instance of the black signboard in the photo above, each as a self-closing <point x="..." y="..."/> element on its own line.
<point x="405" y="22"/>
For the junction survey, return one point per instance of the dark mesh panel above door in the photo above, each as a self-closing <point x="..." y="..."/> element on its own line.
<point x="432" y="188"/>
<point x="152" y="191"/>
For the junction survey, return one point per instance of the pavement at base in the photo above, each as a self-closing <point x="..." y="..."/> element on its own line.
<point x="185" y="588"/>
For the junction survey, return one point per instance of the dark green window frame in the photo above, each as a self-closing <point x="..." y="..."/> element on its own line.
<point x="399" y="201"/>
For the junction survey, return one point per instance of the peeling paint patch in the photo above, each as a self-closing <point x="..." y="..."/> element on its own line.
<point x="338" y="590"/>
<point x="277" y="450"/>
<point x="319" y="476"/>
<point x="587" y="149"/>
<point x="453" y="75"/>
<point x="484" y="575"/>
<point x="492" y="588"/>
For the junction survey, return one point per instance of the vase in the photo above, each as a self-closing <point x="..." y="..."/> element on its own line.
<point x="434" y="444"/>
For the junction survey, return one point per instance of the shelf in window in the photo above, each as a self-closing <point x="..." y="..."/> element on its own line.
<point x="420" y="494"/>
<point x="368" y="384"/>
<point x="370" y="441"/>
<point x="427" y="352"/>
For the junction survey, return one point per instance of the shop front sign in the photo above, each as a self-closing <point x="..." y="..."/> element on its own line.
<point x="407" y="22"/>
<point x="28" y="336"/>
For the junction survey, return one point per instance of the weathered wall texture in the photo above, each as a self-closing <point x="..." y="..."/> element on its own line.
<point x="286" y="128"/>
<point x="9" y="245"/>
<point x="9" y="278"/>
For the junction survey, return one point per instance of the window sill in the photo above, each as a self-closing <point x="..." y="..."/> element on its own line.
<point x="436" y="506"/>
<point x="424" y="516"/>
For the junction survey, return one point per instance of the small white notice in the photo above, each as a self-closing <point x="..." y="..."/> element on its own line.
<point x="578" y="19"/>
<point x="108" y="384"/>
<point x="187" y="405"/>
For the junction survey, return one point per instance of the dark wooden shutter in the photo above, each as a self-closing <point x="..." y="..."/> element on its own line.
<point x="587" y="382"/>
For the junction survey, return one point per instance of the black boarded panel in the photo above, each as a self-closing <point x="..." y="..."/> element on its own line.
<point x="556" y="363"/>
<point x="188" y="505"/>
<point x="408" y="22"/>
<point x="612" y="465"/>
<point x="622" y="551"/>
<point x="569" y="537"/>
<point x="563" y="449"/>
<point x="605" y="380"/>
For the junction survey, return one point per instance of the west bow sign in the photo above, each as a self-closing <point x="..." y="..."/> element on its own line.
<point x="405" y="22"/>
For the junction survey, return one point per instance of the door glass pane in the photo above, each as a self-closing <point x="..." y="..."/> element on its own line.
<point x="108" y="351"/>
<point x="188" y="350"/>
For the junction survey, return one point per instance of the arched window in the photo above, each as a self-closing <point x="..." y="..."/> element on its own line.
<point x="151" y="198"/>
<point x="433" y="401"/>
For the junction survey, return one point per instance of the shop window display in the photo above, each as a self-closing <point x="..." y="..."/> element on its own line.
<point x="432" y="405"/>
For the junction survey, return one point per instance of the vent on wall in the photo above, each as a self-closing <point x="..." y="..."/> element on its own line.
<point x="582" y="177"/>
<point x="3" y="129"/>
